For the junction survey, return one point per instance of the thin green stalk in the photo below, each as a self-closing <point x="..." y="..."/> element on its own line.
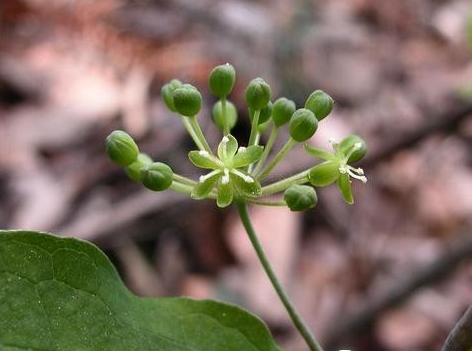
<point x="191" y="132"/>
<point x="265" y="203"/>
<point x="293" y="313"/>
<point x="223" y="113"/>
<point x="281" y="185"/>
<point x="187" y="189"/>
<point x="280" y="155"/>
<point x="254" y="129"/>
<point x="184" y="180"/>
<point x="199" y="133"/>
<point x="181" y="188"/>
<point x="270" y="143"/>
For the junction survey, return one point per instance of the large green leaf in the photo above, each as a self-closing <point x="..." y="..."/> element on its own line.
<point x="60" y="294"/>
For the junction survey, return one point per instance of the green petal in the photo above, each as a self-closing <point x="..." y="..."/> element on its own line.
<point x="245" y="188"/>
<point x="324" y="173"/>
<point x="320" y="153"/>
<point x="246" y="157"/>
<point x="227" y="147"/>
<point x="344" y="184"/>
<point x="202" y="189"/>
<point x="202" y="159"/>
<point x="225" y="194"/>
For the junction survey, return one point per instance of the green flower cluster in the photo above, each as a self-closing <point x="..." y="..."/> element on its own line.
<point x="239" y="172"/>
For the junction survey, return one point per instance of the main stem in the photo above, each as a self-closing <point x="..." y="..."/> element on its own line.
<point x="293" y="313"/>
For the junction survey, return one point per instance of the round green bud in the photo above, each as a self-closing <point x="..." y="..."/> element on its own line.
<point x="156" y="176"/>
<point x="121" y="148"/>
<point x="300" y="197"/>
<point x="187" y="100"/>
<point x="167" y="91"/>
<point x="222" y="79"/>
<point x="257" y="94"/>
<point x="261" y="128"/>
<point x="231" y="114"/>
<point x="282" y="111"/>
<point x="303" y="125"/>
<point x="265" y="113"/>
<point x="320" y="103"/>
<point x="355" y="144"/>
<point x="134" y="170"/>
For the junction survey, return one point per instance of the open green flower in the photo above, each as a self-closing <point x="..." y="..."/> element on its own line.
<point x="227" y="176"/>
<point x="336" y="168"/>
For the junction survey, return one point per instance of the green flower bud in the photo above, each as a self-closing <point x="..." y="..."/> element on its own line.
<point x="320" y="103"/>
<point x="187" y="100"/>
<point x="121" y="148"/>
<point x="134" y="170"/>
<point x="156" y="176"/>
<point x="222" y="79"/>
<point x="300" y="197"/>
<point x="282" y="111"/>
<point x="303" y="125"/>
<point x="257" y="94"/>
<point x="231" y="114"/>
<point x="167" y="91"/>
<point x="261" y="128"/>
<point x="265" y="113"/>
<point x="355" y="145"/>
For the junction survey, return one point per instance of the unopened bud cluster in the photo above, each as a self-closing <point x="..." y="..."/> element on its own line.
<point x="235" y="172"/>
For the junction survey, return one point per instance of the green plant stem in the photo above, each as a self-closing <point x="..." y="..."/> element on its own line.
<point x="223" y="113"/>
<point x="283" y="184"/>
<point x="254" y="131"/>
<point x="181" y="188"/>
<point x="196" y="128"/>
<point x="270" y="143"/>
<point x="280" y="155"/>
<point x="187" y="189"/>
<point x="293" y="313"/>
<point x="265" y="203"/>
<point x="191" y="132"/>
<point x="184" y="180"/>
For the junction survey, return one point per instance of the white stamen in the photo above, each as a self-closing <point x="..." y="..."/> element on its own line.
<point x="203" y="153"/>
<point x="357" y="173"/>
<point x="241" y="149"/>
<point x="225" y="139"/>
<point x="241" y="175"/>
<point x="225" y="179"/>
<point x="209" y="175"/>
<point x="357" y="146"/>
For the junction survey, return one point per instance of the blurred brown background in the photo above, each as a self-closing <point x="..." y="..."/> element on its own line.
<point x="393" y="272"/>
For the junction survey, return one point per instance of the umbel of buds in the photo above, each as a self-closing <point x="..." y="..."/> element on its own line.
<point x="238" y="170"/>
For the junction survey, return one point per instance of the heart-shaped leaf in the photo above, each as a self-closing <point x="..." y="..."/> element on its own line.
<point x="60" y="294"/>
